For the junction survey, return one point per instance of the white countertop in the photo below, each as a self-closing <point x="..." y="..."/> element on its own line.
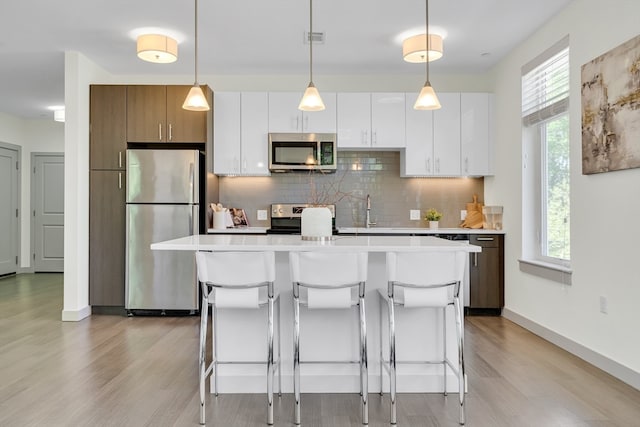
<point x="415" y="230"/>
<point x="288" y="243"/>
<point x="240" y="230"/>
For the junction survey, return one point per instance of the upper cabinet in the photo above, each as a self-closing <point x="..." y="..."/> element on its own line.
<point x="476" y="133"/>
<point x="452" y="141"/>
<point x="108" y="125"/>
<point x="446" y="136"/>
<point x="371" y="120"/>
<point x="240" y="141"/>
<point x="284" y="115"/>
<point x="155" y="114"/>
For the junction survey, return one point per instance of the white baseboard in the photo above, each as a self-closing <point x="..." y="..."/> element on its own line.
<point x="611" y="367"/>
<point x="76" y="315"/>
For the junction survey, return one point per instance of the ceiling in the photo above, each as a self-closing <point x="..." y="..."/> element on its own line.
<point x="248" y="37"/>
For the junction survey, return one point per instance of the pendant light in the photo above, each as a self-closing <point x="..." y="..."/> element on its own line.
<point x="196" y="101"/>
<point x="311" y="100"/>
<point x="427" y="100"/>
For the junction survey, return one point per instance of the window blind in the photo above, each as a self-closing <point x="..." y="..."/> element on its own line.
<point x="545" y="88"/>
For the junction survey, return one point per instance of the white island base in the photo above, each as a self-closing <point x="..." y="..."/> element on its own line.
<point x="330" y="334"/>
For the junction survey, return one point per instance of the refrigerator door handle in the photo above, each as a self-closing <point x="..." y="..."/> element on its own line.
<point x="191" y="181"/>
<point x="194" y="220"/>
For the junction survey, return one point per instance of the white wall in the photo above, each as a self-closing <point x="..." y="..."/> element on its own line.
<point x="43" y="135"/>
<point x="604" y="207"/>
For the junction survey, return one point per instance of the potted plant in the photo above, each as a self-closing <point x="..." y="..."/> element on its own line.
<point x="433" y="216"/>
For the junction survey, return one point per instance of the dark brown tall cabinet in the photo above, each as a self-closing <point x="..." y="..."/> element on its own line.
<point x="486" y="274"/>
<point x="155" y="114"/>
<point x="107" y="183"/>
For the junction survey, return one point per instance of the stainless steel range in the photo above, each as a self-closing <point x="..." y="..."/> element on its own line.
<point x="286" y="218"/>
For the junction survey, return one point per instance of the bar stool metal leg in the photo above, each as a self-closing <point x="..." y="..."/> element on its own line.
<point x="381" y="352"/>
<point x="270" y="358"/>
<point x="444" y="348"/>
<point x="202" y="361"/>
<point x="296" y="353"/>
<point x="392" y="359"/>
<point x="364" y="366"/>
<point x="279" y="351"/>
<point x="215" y="348"/>
<point x="461" y="388"/>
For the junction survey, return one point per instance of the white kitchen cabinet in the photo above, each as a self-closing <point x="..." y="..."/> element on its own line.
<point x="417" y="158"/>
<point x="240" y="138"/>
<point x="284" y="115"/>
<point x="476" y="134"/>
<point x="371" y="120"/>
<point x="446" y="136"/>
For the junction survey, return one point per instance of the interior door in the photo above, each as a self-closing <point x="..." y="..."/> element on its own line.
<point x="8" y="211"/>
<point x="48" y="212"/>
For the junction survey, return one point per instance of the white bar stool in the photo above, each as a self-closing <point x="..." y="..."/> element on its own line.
<point x="328" y="279"/>
<point x="424" y="280"/>
<point x="241" y="280"/>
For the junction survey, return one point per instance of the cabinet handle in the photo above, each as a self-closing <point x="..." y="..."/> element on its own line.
<point x="485" y="239"/>
<point x="119" y="159"/>
<point x="374" y="138"/>
<point x="120" y="180"/>
<point x="466" y="164"/>
<point x="429" y="165"/>
<point x="365" y="137"/>
<point x="475" y="259"/>
<point x="159" y="131"/>
<point x="297" y="122"/>
<point x="306" y="123"/>
<point x="170" y="131"/>
<point x="438" y="165"/>
<point x="244" y="165"/>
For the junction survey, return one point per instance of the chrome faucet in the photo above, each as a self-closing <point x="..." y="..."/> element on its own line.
<point x="368" y="220"/>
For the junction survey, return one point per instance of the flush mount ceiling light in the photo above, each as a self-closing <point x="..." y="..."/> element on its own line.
<point x="311" y="100"/>
<point x="414" y="49"/>
<point x="196" y="101"/>
<point x="157" y="48"/>
<point x="427" y="100"/>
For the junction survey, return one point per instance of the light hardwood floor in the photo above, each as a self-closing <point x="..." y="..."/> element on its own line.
<point x="119" y="371"/>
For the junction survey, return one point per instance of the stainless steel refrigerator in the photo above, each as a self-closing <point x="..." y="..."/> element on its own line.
<point x="164" y="190"/>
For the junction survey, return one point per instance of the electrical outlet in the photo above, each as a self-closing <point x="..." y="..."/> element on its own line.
<point x="262" y="215"/>
<point x="463" y="214"/>
<point x="414" y="214"/>
<point x="604" y="305"/>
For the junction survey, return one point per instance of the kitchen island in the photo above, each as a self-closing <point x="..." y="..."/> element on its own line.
<point x="326" y="336"/>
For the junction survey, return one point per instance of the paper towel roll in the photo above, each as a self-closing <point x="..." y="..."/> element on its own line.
<point x="236" y="298"/>
<point x="436" y="297"/>
<point x="329" y="298"/>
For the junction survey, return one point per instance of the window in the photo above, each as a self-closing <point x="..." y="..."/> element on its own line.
<point x="545" y="139"/>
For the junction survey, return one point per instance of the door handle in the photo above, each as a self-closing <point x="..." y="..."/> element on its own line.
<point x="475" y="259"/>
<point x="170" y="132"/>
<point x="119" y="159"/>
<point x="159" y="131"/>
<point x="120" y="180"/>
<point x="485" y="239"/>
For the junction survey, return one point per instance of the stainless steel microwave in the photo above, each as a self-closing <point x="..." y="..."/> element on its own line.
<point x="302" y="152"/>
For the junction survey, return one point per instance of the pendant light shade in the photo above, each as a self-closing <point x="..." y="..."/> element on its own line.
<point x="427" y="100"/>
<point x="414" y="49"/>
<point x="196" y="101"/>
<point x="157" y="48"/>
<point x="311" y="100"/>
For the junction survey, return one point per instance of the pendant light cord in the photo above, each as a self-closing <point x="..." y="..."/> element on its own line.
<point x="195" y="83"/>
<point x="311" y="41"/>
<point x="428" y="39"/>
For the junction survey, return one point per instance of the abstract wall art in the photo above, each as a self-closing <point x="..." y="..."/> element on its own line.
<point x="611" y="110"/>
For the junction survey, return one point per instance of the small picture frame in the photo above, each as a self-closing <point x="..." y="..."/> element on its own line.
<point x="238" y="217"/>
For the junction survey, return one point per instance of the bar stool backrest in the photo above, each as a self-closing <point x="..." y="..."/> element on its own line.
<point x="236" y="269"/>
<point x="328" y="269"/>
<point x="425" y="273"/>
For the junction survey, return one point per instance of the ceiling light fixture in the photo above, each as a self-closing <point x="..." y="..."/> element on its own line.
<point x="196" y="101"/>
<point x="414" y="49"/>
<point x="427" y="100"/>
<point x="157" y="48"/>
<point x="311" y="100"/>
